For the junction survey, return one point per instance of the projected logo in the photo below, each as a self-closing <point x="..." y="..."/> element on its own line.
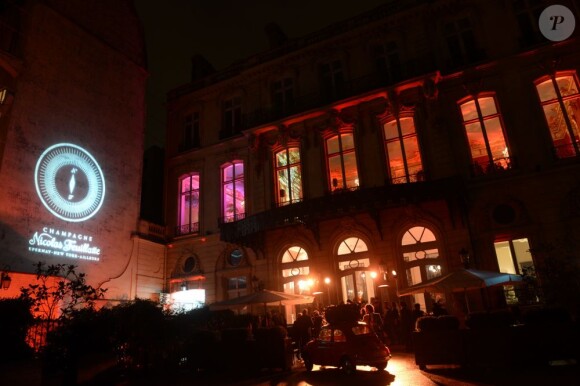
<point x="69" y="182"/>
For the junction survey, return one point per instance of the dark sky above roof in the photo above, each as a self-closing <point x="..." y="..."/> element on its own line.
<point x="223" y="31"/>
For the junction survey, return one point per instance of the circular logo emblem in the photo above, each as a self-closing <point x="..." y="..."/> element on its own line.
<point x="557" y="23"/>
<point x="69" y="182"/>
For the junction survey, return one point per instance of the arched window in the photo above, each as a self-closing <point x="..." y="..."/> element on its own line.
<point x="353" y="262"/>
<point x="485" y="133"/>
<point x="294" y="269"/>
<point x="421" y="260"/>
<point x="561" y="104"/>
<point x="233" y="192"/>
<point x="188" y="216"/>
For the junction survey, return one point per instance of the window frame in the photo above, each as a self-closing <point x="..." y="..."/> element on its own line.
<point x="400" y="139"/>
<point x="505" y="161"/>
<point x="235" y="180"/>
<point x="560" y="101"/>
<point x="287" y="93"/>
<point x="190" y="227"/>
<point x="469" y="52"/>
<point x="333" y="85"/>
<point x="232" y="116"/>
<point x="388" y="59"/>
<point x="191" y="130"/>
<point x="287" y="167"/>
<point x="529" y="15"/>
<point x="341" y="153"/>
<point x="422" y="263"/>
<point x="513" y="253"/>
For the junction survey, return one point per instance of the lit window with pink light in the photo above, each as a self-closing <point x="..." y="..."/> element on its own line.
<point x="560" y="101"/>
<point x="233" y="192"/>
<point x="485" y="133"/>
<point x="402" y="150"/>
<point x="341" y="158"/>
<point x="188" y="216"/>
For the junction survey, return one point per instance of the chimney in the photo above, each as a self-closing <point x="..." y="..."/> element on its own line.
<point x="276" y="37"/>
<point x="200" y="67"/>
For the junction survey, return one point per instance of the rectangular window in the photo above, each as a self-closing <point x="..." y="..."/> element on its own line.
<point x="513" y="256"/>
<point x="561" y="104"/>
<point x="461" y="42"/>
<point x="288" y="176"/>
<point x="237" y="286"/>
<point x="402" y="149"/>
<point x="233" y="192"/>
<point x="188" y="205"/>
<point x="191" y="131"/>
<point x="283" y="95"/>
<point x="333" y="80"/>
<point x="232" y="117"/>
<point x="485" y="134"/>
<point x="342" y="168"/>
<point x="527" y="13"/>
<point x="388" y="61"/>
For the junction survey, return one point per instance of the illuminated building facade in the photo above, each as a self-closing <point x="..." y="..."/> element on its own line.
<point x="72" y="112"/>
<point x="383" y="144"/>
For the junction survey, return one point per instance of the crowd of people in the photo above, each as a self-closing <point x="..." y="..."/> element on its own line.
<point x="393" y="323"/>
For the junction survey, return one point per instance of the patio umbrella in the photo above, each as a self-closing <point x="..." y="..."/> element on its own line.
<point x="265" y="297"/>
<point x="463" y="280"/>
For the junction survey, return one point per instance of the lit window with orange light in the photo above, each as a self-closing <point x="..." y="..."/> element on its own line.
<point x="188" y="217"/>
<point x="295" y="271"/>
<point x="561" y="104"/>
<point x="485" y="133"/>
<point x="233" y="192"/>
<point x="341" y="158"/>
<point x="402" y="148"/>
<point x="288" y="176"/>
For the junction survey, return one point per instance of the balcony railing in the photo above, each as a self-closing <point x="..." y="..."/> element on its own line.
<point x="499" y="165"/>
<point x="334" y="205"/>
<point x="187" y="229"/>
<point x="232" y="218"/>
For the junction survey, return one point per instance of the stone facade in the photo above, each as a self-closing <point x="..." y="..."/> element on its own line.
<point x="426" y="60"/>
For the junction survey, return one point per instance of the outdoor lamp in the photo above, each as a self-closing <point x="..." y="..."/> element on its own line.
<point x="464" y="256"/>
<point x="5" y="280"/>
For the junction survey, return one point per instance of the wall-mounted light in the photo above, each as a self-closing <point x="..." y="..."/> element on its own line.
<point x="5" y="280"/>
<point x="464" y="256"/>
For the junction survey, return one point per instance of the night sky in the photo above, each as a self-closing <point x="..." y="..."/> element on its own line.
<point x="224" y="31"/>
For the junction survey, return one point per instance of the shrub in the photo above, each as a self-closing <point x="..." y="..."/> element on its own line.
<point x="14" y="323"/>
<point x="494" y="319"/>
<point x="548" y="315"/>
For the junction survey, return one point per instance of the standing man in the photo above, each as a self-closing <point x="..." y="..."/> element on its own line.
<point x="302" y="330"/>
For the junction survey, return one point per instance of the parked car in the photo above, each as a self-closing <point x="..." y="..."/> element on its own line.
<point x="346" y="345"/>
